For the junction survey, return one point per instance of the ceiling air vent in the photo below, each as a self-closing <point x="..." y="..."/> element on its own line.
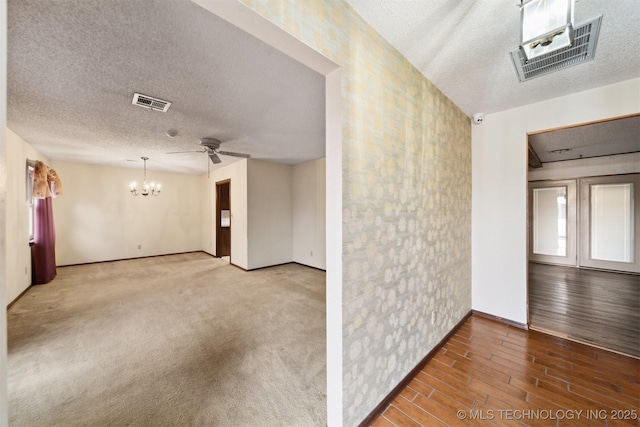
<point x="583" y="49"/>
<point x="150" y="102"/>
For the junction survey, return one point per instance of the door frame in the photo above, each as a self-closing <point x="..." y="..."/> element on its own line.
<point x="569" y="176"/>
<point x="218" y="218"/>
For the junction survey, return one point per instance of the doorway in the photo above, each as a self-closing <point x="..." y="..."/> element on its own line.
<point x="223" y="219"/>
<point x="582" y="274"/>
<point x="583" y="240"/>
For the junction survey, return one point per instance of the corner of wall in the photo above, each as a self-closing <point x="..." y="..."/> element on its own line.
<point x="269" y="213"/>
<point x="18" y="151"/>
<point x="309" y="213"/>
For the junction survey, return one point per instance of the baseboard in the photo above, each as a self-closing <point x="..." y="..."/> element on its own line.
<point x="579" y="341"/>
<point x="378" y="410"/>
<point x="100" y="262"/>
<point x="309" y="266"/>
<point x="15" y="300"/>
<point x="500" y="319"/>
<point x="127" y="259"/>
<point x="237" y="266"/>
<point x="581" y="267"/>
<point x="268" y="266"/>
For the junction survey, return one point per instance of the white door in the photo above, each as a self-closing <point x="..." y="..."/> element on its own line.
<point x="609" y="220"/>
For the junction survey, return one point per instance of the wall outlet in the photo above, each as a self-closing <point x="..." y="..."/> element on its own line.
<point x="433" y="318"/>
<point x="311" y="253"/>
<point x="139" y="246"/>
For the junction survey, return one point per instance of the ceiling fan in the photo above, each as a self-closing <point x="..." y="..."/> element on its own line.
<point x="211" y="146"/>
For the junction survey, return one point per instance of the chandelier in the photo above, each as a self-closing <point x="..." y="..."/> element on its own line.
<point x="146" y="188"/>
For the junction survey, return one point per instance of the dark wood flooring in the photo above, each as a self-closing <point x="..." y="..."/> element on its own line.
<point x="492" y="374"/>
<point x="597" y="307"/>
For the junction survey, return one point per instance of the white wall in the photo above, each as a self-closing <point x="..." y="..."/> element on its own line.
<point x="270" y="213"/>
<point x="278" y="213"/>
<point x="4" y="418"/>
<point x="499" y="180"/>
<point x="237" y="173"/>
<point x="595" y="166"/>
<point x="309" y="206"/>
<point x="97" y="219"/>
<point x="17" y="236"/>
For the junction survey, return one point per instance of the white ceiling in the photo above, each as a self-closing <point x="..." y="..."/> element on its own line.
<point x="463" y="47"/>
<point x="74" y="65"/>
<point x="592" y="140"/>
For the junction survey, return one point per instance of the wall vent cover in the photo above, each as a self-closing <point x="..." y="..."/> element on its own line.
<point x="582" y="50"/>
<point x="150" y="102"/>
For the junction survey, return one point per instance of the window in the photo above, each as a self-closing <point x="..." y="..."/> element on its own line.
<point x="550" y="221"/>
<point x="600" y="223"/>
<point x="30" y="201"/>
<point x="552" y="210"/>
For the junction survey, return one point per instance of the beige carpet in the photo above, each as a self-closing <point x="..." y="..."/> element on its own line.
<point x="179" y="340"/>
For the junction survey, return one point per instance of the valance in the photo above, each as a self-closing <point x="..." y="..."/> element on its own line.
<point x="46" y="182"/>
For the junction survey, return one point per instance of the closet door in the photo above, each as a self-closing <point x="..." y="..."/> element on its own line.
<point x="609" y="221"/>
<point x="552" y="222"/>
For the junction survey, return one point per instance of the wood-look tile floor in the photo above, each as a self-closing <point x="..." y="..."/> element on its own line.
<point x="490" y="373"/>
<point x="592" y="306"/>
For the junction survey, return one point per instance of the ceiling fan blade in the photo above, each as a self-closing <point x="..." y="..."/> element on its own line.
<point x="190" y="151"/>
<point x="229" y="153"/>
<point x="214" y="158"/>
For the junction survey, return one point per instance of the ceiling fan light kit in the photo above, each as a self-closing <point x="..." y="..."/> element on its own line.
<point x="146" y="188"/>
<point x="212" y="148"/>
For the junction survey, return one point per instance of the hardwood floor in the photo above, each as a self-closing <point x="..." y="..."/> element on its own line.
<point x="596" y="307"/>
<point x="490" y="373"/>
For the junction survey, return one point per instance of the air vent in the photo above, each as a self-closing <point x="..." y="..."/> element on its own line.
<point x="582" y="50"/>
<point x="150" y="102"/>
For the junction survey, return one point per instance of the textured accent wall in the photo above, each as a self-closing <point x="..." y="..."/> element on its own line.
<point x="406" y="201"/>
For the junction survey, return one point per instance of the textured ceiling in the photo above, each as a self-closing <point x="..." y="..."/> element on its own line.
<point x="463" y="48"/>
<point x="73" y="67"/>
<point x="593" y="140"/>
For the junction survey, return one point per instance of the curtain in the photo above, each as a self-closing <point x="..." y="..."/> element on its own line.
<point x="44" y="242"/>
<point x="46" y="184"/>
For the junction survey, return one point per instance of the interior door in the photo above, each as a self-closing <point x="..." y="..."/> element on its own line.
<point x="223" y="218"/>
<point x="609" y="221"/>
<point x="552" y="222"/>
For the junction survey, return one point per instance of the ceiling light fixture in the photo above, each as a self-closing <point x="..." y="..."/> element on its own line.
<point x="146" y="189"/>
<point x="546" y="26"/>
